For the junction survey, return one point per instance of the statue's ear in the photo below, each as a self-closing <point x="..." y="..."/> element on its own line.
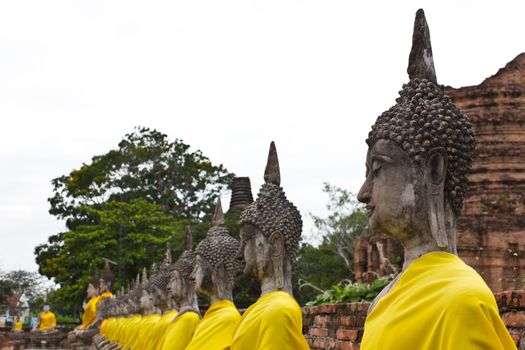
<point x="435" y="174"/>
<point x="277" y="254"/>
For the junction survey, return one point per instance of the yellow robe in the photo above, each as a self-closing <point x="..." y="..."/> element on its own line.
<point x="47" y="320"/>
<point x="438" y="303"/>
<point x="215" y="330"/>
<point x="105" y="325"/>
<point x="129" y="330"/>
<point x="273" y="322"/>
<point x="179" y="332"/>
<point x="143" y="340"/>
<point x="90" y="313"/>
<point x="157" y="333"/>
<point x="105" y="295"/>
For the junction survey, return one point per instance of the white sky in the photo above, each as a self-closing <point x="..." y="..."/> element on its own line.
<point x="226" y="77"/>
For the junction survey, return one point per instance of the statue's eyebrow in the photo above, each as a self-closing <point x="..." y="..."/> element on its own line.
<point x="382" y="158"/>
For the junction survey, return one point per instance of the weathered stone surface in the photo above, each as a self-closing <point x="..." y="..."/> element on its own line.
<point x="421" y="61"/>
<point x="491" y="228"/>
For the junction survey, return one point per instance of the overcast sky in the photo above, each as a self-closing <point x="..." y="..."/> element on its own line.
<point x="226" y="77"/>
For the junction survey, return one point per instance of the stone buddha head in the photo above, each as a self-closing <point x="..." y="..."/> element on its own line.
<point x="181" y="286"/>
<point x="131" y="300"/>
<point x="106" y="278"/>
<point x="46" y="307"/>
<point x="419" y="156"/>
<point x="270" y="231"/>
<point x="216" y="260"/>
<point x="93" y="288"/>
<point x="159" y="281"/>
<point x="146" y="295"/>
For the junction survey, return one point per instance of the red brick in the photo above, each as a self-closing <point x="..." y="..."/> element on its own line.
<point x="318" y="343"/>
<point x="346" y="321"/>
<point x="514" y="319"/>
<point x="318" y="332"/>
<point x="346" y="334"/>
<point x="516" y="337"/>
<point x="321" y="320"/>
<point x="308" y="310"/>
<point x="520" y="296"/>
<point x="327" y="309"/>
<point x="347" y="345"/>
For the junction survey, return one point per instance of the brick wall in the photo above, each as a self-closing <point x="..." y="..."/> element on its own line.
<point x="334" y="326"/>
<point x="340" y="326"/>
<point x="512" y="309"/>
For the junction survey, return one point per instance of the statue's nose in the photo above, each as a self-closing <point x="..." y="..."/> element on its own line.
<point x="363" y="195"/>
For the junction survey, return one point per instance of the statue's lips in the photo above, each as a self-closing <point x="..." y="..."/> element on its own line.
<point x="369" y="209"/>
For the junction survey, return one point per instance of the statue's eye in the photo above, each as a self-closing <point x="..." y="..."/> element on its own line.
<point x="375" y="167"/>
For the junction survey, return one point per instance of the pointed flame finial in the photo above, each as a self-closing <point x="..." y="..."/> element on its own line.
<point x="188" y="241"/>
<point x="144" y="277"/>
<point x="218" y="216"/>
<point x="272" y="174"/>
<point x="421" y="61"/>
<point x="167" y="254"/>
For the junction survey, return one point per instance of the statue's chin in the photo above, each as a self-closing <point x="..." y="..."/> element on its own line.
<point x="249" y="271"/>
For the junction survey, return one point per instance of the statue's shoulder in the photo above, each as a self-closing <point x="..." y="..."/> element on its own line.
<point x="279" y="304"/>
<point x="464" y="286"/>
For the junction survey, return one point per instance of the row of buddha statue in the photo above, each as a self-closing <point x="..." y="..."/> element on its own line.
<point x="419" y="157"/>
<point x="162" y="312"/>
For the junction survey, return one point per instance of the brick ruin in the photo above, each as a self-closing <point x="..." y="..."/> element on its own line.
<point x="491" y="229"/>
<point x="375" y="256"/>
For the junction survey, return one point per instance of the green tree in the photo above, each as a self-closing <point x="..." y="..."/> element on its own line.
<point x="345" y="223"/>
<point x="132" y="234"/>
<point x="124" y="206"/>
<point x="319" y="268"/>
<point x="145" y="165"/>
<point x="316" y="269"/>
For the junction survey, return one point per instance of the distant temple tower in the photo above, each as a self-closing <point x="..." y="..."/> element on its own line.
<point x="241" y="194"/>
<point x="491" y="228"/>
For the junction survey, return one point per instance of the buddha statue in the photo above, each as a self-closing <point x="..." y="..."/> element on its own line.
<point x="143" y="333"/>
<point x="134" y="307"/>
<point x="106" y="281"/>
<point x="182" y="290"/>
<point x="81" y="335"/>
<point x="47" y="321"/>
<point x="419" y="156"/>
<point x="115" y="330"/>
<point x="121" y="329"/>
<point x="215" y="268"/>
<point x="270" y="230"/>
<point x="158" y="288"/>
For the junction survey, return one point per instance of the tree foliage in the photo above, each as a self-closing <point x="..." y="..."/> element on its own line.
<point x="348" y="292"/>
<point x="145" y="165"/>
<point x="319" y="268"/>
<point x="345" y="223"/>
<point x="125" y="206"/>
<point x="316" y="268"/>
